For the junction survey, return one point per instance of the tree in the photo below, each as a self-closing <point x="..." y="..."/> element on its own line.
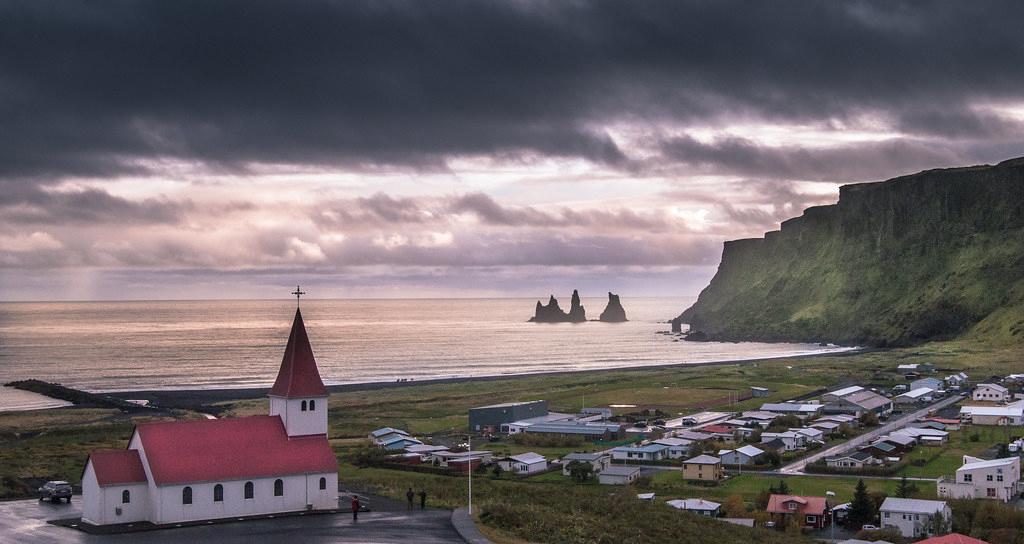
<point x="497" y="471"/>
<point x="862" y="509"/>
<point x="868" y="419"/>
<point x="772" y="458"/>
<point x="580" y="471"/>
<point x="784" y="422"/>
<point x="734" y="507"/>
<point x="939" y="524"/>
<point x="782" y="489"/>
<point x="844" y="430"/>
<point x="905" y="489"/>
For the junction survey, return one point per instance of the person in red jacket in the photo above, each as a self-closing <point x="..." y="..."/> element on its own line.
<point x="355" y="507"/>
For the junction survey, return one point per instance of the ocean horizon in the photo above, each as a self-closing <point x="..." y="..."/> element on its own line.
<point x="107" y="346"/>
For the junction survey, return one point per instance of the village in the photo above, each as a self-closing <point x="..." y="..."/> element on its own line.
<point x="854" y="430"/>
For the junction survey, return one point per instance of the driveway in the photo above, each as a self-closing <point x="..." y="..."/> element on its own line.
<point x="797" y="467"/>
<point x="25" y="521"/>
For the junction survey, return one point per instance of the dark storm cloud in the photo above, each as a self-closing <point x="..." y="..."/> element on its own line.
<point x="29" y="205"/>
<point x="91" y="88"/>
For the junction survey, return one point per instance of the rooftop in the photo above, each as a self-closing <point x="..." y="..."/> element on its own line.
<point x="115" y="467"/>
<point x="528" y="458"/>
<point x="703" y="460"/>
<point x="845" y="391"/>
<point x="693" y="504"/>
<point x="620" y="470"/>
<point x="298" y="375"/>
<point x="912" y="506"/>
<point x="507" y="404"/>
<point x="971" y="465"/>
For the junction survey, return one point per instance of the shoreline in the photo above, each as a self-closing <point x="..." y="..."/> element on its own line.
<point x="203" y="399"/>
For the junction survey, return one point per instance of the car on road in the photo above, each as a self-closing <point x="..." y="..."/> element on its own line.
<point x="868" y="527"/>
<point x="55" y="490"/>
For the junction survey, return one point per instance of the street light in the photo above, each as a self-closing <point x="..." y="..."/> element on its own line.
<point x="469" y="468"/>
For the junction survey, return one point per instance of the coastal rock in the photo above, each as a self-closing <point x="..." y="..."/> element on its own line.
<point x="552" y="312"/>
<point x="613" y="312"/>
<point x="933" y="255"/>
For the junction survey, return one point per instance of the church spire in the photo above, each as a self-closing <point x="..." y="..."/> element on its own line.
<point x="298" y="376"/>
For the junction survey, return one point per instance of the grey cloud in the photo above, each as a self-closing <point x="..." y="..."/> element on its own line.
<point x="32" y="205"/>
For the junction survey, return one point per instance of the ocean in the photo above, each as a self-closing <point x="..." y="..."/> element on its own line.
<point x="117" y="346"/>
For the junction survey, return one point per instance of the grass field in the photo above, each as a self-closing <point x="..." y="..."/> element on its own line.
<point x="960" y="444"/>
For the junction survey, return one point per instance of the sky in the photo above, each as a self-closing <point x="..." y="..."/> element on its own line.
<point x="221" y="149"/>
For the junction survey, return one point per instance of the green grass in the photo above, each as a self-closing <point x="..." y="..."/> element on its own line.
<point x="951" y="456"/>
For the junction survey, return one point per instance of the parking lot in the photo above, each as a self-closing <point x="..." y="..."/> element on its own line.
<point x="25" y="521"/>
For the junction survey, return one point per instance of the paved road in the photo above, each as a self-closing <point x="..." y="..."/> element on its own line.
<point x="797" y="467"/>
<point x="25" y="522"/>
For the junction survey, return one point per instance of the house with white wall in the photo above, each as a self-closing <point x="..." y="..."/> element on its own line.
<point x="1011" y="414"/>
<point x="618" y="475"/>
<point x="192" y="470"/>
<point x="913" y="517"/>
<point x="598" y="461"/>
<point x="646" y="452"/>
<point x="792" y="440"/>
<point x="991" y="392"/>
<point x="524" y="463"/>
<point x="997" y="479"/>
<point x="677" y="447"/>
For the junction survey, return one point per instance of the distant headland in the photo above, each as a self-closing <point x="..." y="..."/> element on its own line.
<point x="553" y="313"/>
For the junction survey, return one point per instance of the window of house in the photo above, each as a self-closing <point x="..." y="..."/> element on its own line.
<point x="886" y="515"/>
<point x="278" y="488"/>
<point x="249" y="491"/>
<point x="968" y="477"/>
<point x="186" y="495"/>
<point x="218" y="493"/>
<point x="812" y="519"/>
<point x="312" y="405"/>
<point x="999" y="477"/>
<point x="323" y="483"/>
<point x="990" y="492"/>
<point x="303" y="406"/>
<point x="126" y="497"/>
<point x="988" y="477"/>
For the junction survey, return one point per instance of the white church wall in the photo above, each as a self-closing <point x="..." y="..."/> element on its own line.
<point x="154" y="492"/>
<point x="298" y="422"/>
<point x="91" y="496"/>
<point x="100" y="505"/>
<point x="299" y="490"/>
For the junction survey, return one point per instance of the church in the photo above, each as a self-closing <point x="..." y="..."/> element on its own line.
<point x="192" y="470"/>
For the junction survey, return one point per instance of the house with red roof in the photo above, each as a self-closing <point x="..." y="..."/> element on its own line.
<point x="192" y="470"/>
<point x="808" y="511"/>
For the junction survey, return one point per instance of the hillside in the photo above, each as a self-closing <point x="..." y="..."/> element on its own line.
<point x="933" y="255"/>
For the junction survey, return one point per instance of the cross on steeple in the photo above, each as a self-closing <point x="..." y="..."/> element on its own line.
<point x="298" y="294"/>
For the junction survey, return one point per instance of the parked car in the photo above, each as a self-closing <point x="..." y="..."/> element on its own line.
<point x="869" y="527"/>
<point x="55" y="491"/>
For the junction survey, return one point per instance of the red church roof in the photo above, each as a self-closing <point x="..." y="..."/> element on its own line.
<point x="203" y="450"/>
<point x="952" y="538"/>
<point x="116" y="467"/>
<point x="298" y="376"/>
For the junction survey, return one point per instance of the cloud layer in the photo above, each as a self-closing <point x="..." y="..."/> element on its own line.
<point x="219" y="137"/>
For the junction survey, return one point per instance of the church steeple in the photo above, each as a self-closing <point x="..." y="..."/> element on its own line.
<point x="298" y="395"/>
<point x="298" y="376"/>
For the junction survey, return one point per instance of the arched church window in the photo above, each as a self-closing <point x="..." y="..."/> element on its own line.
<point x="126" y="497"/>
<point x="218" y="493"/>
<point x="186" y="495"/>
<point x="323" y="483"/>
<point x="248" y="490"/>
<point x="278" y="488"/>
<point x="312" y="405"/>
<point x="303" y="406"/>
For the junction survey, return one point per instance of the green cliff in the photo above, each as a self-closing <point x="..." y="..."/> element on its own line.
<point x="933" y="255"/>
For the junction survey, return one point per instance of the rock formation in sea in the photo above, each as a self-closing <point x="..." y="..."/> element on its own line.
<point x="933" y="255"/>
<point x="552" y="312"/>
<point x="613" y="312"/>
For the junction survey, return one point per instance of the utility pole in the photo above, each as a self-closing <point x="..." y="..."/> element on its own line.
<point x="469" y="468"/>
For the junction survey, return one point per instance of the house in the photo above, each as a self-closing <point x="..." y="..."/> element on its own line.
<point x="991" y="392"/>
<point x="703" y="467"/>
<point x="700" y="418"/>
<point x="856" y="400"/>
<point x="759" y="392"/>
<point x="598" y="461"/>
<point x="857" y="459"/>
<point x="1011" y="414"/>
<point x="618" y="475"/>
<point x="901" y="442"/>
<point x="697" y="506"/>
<point x="914" y="396"/>
<point x="850" y="420"/>
<point x="777" y="445"/>
<point x="524" y="463"/>
<point x="809" y="511"/>
<point x="812" y="434"/>
<point x="758" y="418"/>
<point x="520" y="425"/>
<point x="605" y="413"/>
<point x="882" y="450"/>
<point x="721" y="432"/>
<point x="695" y="436"/>
<point x="916" y="368"/>
<point x="829" y="428"/>
<point x="646" y="452"/>
<point x="803" y="411"/>
<point x="947" y="423"/>
<point x="424" y="450"/>
<point x="792" y="440"/>
<point x="590" y="431"/>
<point x="997" y="479"/>
<point x="747" y="455"/>
<point x="923" y="435"/>
<point x="385" y="433"/>
<point x="931" y="383"/>
<point x="455" y="458"/>
<point x="912" y="517"/>
<point x="677" y="447"/>
<point x="399" y="443"/>
<point x="204" y="469"/>
<point x="956" y="380"/>
<point x="490" y="418"/>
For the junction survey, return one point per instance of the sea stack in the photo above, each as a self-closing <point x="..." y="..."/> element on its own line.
<point x="613" y="312"/>
<point x="552" y="312"/>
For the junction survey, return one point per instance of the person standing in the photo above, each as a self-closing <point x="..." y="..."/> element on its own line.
<point x="355" y="507"/>
<point x="423" y="499"/>
<point x="409" y="496"/>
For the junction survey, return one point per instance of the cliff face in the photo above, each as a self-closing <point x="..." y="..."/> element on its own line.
<point x="928" y="256"/>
